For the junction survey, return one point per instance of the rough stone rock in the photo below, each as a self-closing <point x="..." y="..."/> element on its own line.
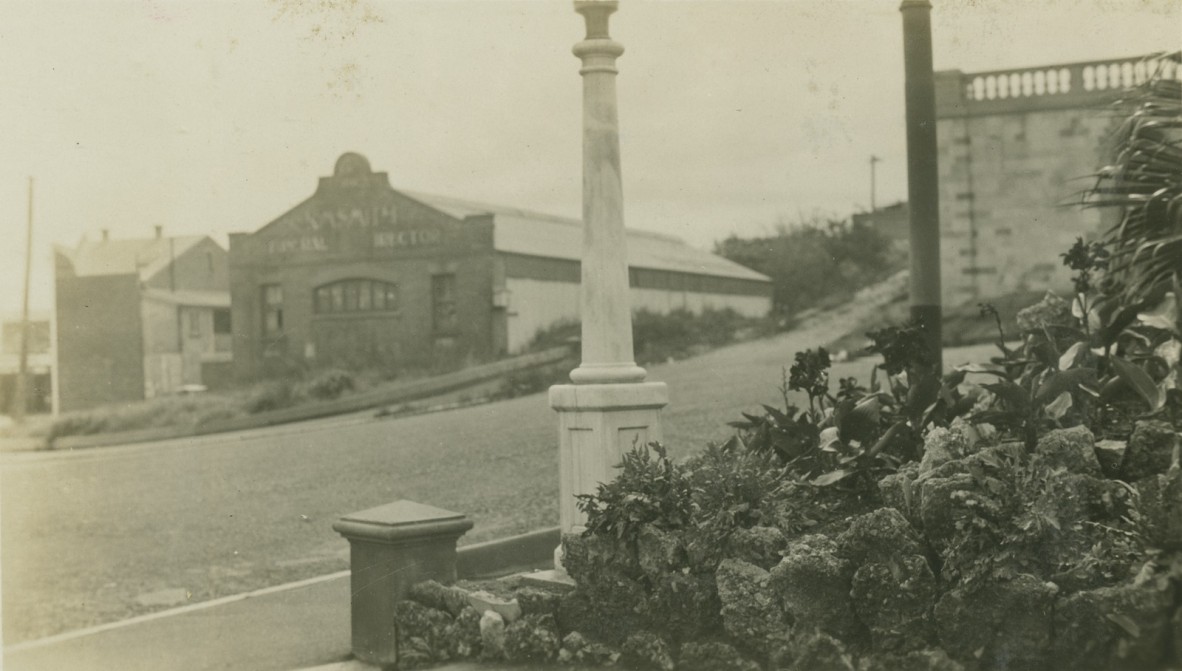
<point x="761" y="546"/>
<point x="533" y="638"/>
<point x="812" y="650"/>
<point x="574" y="642"/>
<point x="713" y="656"/>
<point x="749" y="611"/>
<point x="940" y="506"/>
<point x="1110" y="454"/>
<point x="942" y="445"/>
<point x="659" y="551"/>
<point x="1150" y="450"/>
<point x="879" y="536"/>
<point x="812" y="585"/>
<point x="420" y="632"/>
<point x="492" y="635"/>
<point x="481" y="601"/>
<point x="682" y="605"/>
<point x="900" y="491"/>
<point x="462" y="638"/>
<point x="607" y="621"/>
<point x="894" y="600"/>
<point x="1004" y="625"/>
<point x="646" y="650"/>
<point x="1072" y="497"/>
<point x="535" y="601"/>
<point x="1050" y="311"/>
<point x="576" y="648"/>
<point x="1073" y="449"/>
<point x="918" y="660"/>
<point x="1161" y="508"/>
<point x="433" y="595"/>
<point x="1121" y="627"/>
<point x="1176" y="623"/>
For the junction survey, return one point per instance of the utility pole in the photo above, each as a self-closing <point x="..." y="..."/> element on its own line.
<point x="20" y="395"/>
<point x="922" y="176"/>
<point x="873" y="160"/>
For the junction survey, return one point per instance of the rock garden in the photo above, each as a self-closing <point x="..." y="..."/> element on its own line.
<point x="1021" y="513"/>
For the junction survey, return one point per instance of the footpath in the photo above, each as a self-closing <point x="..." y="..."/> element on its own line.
<point x="283" y="628"/>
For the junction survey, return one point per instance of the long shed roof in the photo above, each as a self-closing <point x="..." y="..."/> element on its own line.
<point x="517" y="231"/>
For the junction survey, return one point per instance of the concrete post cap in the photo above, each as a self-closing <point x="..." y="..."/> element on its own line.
<point x="915" y="4"/>
<point x="401" y="521"/>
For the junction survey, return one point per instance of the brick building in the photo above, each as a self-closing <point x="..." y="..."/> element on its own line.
<point x="361" y="275"/>
<point x="140" y="318"/>
<point x="1016" y="148"/>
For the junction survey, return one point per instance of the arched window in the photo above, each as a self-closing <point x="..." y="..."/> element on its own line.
<point x="355" y="296"/>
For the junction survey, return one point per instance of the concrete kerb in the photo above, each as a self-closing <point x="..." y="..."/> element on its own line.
<point x="488" y="559"/>
<point x="409" y="391"/>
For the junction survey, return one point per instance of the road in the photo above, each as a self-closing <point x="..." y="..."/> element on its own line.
<point x="96" y="536"/>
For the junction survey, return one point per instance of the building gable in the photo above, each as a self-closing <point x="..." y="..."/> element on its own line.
<point x="355" y="213"/>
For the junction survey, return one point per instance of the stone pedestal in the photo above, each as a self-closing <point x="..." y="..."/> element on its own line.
<point x="597" y="424"/>
<point x="392" y="547"/>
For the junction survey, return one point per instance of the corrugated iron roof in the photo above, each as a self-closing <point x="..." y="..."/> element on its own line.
<point x="145" y="256"/>
<point x="517" y="231"/>
<point x="190" y="297"/>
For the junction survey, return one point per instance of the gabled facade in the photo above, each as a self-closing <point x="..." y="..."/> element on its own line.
<point x="363" y="276"/>
<point x="140" y="318"/>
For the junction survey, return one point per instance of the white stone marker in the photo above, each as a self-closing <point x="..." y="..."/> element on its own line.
<point x="609" y="408"/>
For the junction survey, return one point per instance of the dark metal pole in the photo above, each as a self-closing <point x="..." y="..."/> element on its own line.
<point x="922" y="177"/>
<point x="873" y="160"/>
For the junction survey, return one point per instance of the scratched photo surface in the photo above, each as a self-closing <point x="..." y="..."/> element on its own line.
<point x="215" y="212"/>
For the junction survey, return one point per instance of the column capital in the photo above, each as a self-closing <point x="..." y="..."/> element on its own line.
<point x="596" y="13"/>
<point x="914" y="4"/>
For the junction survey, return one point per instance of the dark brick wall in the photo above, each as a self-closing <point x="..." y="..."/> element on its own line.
<point x="99" y="340"/>
<point x="362" y="231"/>
<point x="202" y="267"/>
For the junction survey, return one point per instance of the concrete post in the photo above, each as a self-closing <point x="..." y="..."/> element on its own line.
<point x="392" y="547"/>
<point x="609" y="408"/>
<point x="923" y="188"/>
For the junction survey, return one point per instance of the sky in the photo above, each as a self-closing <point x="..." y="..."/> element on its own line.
<point x="212" y="117"/>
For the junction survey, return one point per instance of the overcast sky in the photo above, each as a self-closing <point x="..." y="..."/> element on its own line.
<point x="215" y="117"/>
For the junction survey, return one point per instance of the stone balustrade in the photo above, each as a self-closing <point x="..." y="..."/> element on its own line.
<point x="1046" y="86"/>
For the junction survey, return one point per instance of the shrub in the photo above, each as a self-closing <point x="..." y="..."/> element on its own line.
<point x="329" y="384"/>
<point x="849" y="257"/>
<point x="271" y="395"/>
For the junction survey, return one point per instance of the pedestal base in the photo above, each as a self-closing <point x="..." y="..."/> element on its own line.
<point x="597" y="424"/>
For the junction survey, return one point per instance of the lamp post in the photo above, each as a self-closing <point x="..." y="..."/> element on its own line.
<point x="874" y="160"/>
<point x="609" y="409"/>
<point x="922" y="176"/>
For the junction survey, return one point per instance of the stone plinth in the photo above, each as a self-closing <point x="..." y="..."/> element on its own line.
<point x="392" y="547"/>
<point x="597" y="424"/>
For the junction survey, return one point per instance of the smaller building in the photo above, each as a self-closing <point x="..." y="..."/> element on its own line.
<point x="39" y="366"/>
<point x="141" y="318"/>
<point x="892" y="221"/>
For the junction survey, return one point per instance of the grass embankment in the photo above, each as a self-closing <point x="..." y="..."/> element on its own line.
<point x="659" y="338"/>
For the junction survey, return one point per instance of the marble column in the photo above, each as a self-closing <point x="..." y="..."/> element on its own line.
<point x="610" y="408"/>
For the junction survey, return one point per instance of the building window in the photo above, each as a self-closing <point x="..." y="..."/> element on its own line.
<point x="221" y="322"/>
<point x="272" y="309"/>
<point x="443" y="303"/>
<point x="355" y="296"/>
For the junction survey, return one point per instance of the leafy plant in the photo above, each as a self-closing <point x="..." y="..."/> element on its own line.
<point x="647" y="491"/>
<point x="1144" y="181"/>
<point x="1100" y="363"/>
